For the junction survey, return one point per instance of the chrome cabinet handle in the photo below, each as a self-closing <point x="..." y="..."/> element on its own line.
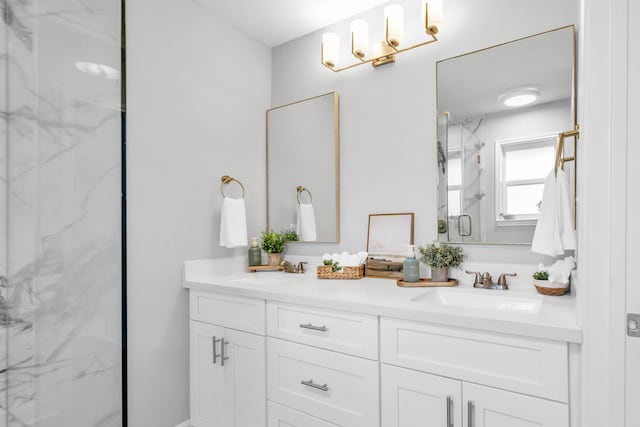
<point x="322" y="328"/>
<point x="311" y="384"/>
<point x="449" y="411"/>
<point x="460" y="225"/>
<point x="470" y="414"/>
<point x="222" y="356"/>
<point x="215" y="353"/>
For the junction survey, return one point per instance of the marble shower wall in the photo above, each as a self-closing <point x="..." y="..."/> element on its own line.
<point x="63" y="174"/>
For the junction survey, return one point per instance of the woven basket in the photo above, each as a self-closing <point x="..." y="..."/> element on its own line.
<point x="552" y="291"/>
<point x="325" y="272"/>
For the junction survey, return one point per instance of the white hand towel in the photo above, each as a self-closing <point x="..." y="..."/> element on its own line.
<point x="554" y="230"/>
<point x="233" y="223"/>
<point x="567" y="232"/>
<point x="306" y="226"/>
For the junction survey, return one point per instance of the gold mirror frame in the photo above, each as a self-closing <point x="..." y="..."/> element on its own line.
<point x="336" y="136"/>
<point x="573" y="116"/>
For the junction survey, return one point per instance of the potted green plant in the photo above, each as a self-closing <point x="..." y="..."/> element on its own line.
<point x="440" y="258"/>
<point x="541" y="278"/>
<point x="273" y="244"/>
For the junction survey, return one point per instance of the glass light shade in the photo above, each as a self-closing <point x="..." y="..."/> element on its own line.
<point x="359" y="38"/>
<point x="394" y="18"/>
<point x="519" y="97"/>
<point x="330" y="49"/>
<point x="434" y="13"/>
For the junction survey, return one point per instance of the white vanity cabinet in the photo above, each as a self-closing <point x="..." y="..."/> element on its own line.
<point x="227" y="366"/>
<point x="260" y="362"/>
<point x="506" y="366"/>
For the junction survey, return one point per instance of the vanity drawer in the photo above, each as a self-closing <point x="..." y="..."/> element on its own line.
<point x="526" y="365"/>
<point x="281" y="416"/>
<point x="340" y="389"/>
<point x="241" y="313"/>
<point x="355" y="334"/>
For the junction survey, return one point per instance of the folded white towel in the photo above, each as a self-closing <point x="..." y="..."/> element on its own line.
<point x="306" y="226"/>
<point x="346" y="259"/>
<point x="560" y="271"/>
<point x="554" y="232"/>
<point x="233" y="223"/>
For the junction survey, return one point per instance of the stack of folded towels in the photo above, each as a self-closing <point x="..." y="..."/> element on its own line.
<point x="559" y="272"/>
<point x="345" y="259"/>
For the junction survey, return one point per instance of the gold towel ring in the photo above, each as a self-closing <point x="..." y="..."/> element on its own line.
<point x="226" y="179"/>
<point x="300" y="189"/>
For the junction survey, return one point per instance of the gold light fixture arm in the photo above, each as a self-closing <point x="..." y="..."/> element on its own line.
<point x="390" y="47"/>
<point x="378" y="58"/>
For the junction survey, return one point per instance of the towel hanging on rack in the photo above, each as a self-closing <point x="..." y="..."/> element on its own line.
<point x="306" y="218"/>
<point x="233" y="218"/>
<point x="554" y="232"/>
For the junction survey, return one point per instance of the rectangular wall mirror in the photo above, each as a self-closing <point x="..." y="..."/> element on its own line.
<point x="500" y="111"/>
<point x="303" y="168"/>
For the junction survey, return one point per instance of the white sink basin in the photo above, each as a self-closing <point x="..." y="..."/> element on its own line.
<point x="482" y="299"/>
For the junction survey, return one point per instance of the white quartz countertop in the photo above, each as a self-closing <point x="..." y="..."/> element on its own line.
<point x="553" y="318"/>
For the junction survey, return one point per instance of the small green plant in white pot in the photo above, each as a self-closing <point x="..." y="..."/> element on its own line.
<point x="440" y="257"/>
<point x="541" y="278"/>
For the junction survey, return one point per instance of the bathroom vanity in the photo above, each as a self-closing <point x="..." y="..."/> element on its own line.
<point x="285" y="349"/>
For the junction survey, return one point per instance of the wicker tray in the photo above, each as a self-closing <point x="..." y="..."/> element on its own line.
<point x="325" y="272"/>
<point x="552" y="291"/>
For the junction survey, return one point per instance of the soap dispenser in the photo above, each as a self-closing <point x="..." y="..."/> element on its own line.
<point x="411" y="267"/>
<point x="255" y="254"/>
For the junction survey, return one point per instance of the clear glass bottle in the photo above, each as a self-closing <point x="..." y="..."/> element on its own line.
<point x="411" y="267"/>
<point x="255" y="254"/>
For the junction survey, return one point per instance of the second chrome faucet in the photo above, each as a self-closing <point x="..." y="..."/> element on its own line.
<point x="485" y="281"/>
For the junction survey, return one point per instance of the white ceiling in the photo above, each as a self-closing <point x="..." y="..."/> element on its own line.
<point x="274" y="22"/>
<point x="469" y="86"/>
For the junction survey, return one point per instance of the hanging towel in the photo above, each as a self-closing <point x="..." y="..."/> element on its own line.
<point x="554" y="232"/>
<point x="306" y="224"/>
<point x="233" y="223"/>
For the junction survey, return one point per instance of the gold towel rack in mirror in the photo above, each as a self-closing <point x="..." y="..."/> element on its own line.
<point x="301" y="189"/>
<point x="560" y="159"/>
<point x="226" y="179"/>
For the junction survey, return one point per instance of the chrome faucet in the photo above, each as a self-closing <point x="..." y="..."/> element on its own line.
<point x="485" y="280"/>
<point x="290" y="268"/>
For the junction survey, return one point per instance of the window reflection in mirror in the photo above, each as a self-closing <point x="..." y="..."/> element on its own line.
<point x="500" y="110"/>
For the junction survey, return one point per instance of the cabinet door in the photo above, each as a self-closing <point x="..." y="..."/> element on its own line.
<point x="245" y="377"/>
<point x="489" y="407"/>
<point x="207" y="389"/>
<point x="416" y="399"/>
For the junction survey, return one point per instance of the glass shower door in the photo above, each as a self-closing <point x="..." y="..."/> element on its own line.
<point x="61" y="167"/>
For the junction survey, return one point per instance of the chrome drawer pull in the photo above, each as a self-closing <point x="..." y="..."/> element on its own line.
<point x="322" y="328"/>
<point x="449" y="411"/>
<point x="471" y="414"/>
<point x="222" y="356"/>
<point x="215" y="354"/>
<point x="311" y="384"/>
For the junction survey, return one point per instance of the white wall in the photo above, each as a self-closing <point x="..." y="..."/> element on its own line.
<point x="195" y="112"/>
<point x="388" y="115"/>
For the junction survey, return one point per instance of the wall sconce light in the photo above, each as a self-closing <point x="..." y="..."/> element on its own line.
<point x="385" y="51"/>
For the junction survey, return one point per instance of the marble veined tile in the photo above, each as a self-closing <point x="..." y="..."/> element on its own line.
<point x="62" y="180"/>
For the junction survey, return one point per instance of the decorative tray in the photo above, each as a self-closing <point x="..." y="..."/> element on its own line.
<point x="424" y="283"/>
